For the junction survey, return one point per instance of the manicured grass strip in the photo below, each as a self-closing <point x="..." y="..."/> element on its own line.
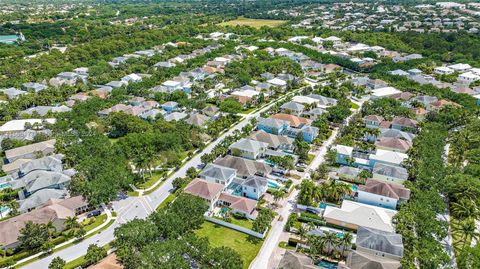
<point x="247" y="246"/>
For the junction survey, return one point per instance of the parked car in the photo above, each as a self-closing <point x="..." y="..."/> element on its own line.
<point x="94" y="213"/>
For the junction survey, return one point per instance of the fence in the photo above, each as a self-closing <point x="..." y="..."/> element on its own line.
<point x="236" y="227"/>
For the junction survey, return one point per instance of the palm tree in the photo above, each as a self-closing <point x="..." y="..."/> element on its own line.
<point x="50" y="228"/>
<point x="277" y="195"/>
<point x="13" y="205"/>
<point x="465" y="208"/>
<point x="332" y="241"/>
<point x="466" y="231"/>
<point x="71" y="222"/>
<point x="317" y="244"/>
<point x="303" y="231"/>
<point x="346" y="241"/>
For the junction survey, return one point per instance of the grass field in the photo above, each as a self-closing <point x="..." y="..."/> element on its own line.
<point x="221" y="236"/>
<point x="257" y="23"/>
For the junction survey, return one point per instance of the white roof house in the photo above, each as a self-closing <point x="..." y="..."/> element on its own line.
<point x="468" y="77"/>
<point x="297" y="38"/>
<point x="388" y="157"/>
<point x="132" y="78"/>
<point x="277" y="82"/>
<point x="384" y="92"/>
<point x="443" y="70"/>
<point x="460" y="67"/>
<point x="304" y="100"/>
<point x="353" y="215"/>
<point x="247" y="93"/>
<point x="19" y="125"/>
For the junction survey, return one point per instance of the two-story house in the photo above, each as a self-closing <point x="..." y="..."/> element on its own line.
<point x="218" y="174"/>
<point x="248" y="148"/>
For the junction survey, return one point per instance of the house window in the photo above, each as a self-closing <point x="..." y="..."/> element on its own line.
<point x="254" y="190"/>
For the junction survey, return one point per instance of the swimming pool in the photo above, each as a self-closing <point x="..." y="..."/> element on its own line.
<point x="274" y="184"/>
<point x="327" y="265"/>
<point x="355" y="188"/>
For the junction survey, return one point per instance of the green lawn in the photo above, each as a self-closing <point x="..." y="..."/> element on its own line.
<point x="242" y="222"/>
<point x="149" y="181"/>
<point x="98" y="221"/>
<point x="353" y="105"/>
<point x="257" y="23"/>
<point x="167" y="201"/>
<point x="244" y="244"/>
<point x="310" y="158"/>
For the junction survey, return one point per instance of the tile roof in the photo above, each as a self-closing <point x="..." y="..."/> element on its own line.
<point x="393" y="191"/>
<point x="360" y="260"/>
<point x="29" y="149"/>
<point x="204" y="189"/>
<point x="239" y="203"/>
<point x="274" y="141"/>
<point x="394" y="143"/>
<point x="293" y="120"/>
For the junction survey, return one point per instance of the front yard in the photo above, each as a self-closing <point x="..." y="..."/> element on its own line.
<point x="244" y="244"/>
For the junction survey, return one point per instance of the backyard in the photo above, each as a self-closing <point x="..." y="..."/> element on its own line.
<point x="257" y="23"/>
<point x="244" y="244"/>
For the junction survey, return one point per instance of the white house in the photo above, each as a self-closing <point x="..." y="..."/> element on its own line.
<point x="443" y="70"/>
<point x="384" y="92"/>
<point x="468" y="77"/>
<point x="382" y="194"/>
<point x="460" y="67"/>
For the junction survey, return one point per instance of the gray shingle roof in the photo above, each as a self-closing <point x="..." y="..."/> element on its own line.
<point x="250" y="145"/>
<point x="293" y="106"/>
<point x="374" y="239"/>
<point x="217" y="171"/>
<point x="391" y="171"/>
<point x="255" y="182"/>
<point x="243" y="166"/>
<point x="39" y="198"/>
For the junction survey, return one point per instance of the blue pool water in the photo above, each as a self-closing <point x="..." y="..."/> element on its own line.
<point x="354" y="188"/>
<point x="273" y="184"/>
<point x="4" y="208"/>
<point x="327" y="265"/>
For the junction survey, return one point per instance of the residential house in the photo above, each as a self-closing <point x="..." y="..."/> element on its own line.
<point x="309" y="133"/>
<point x="402" y="123"/>
<point x="218" y="174"/>
<point x="198" y="120"/>
<point x="373" y="121"/>
<point x="323" y="102"/>
<point x="273" y="126"/>
<point x="44" y="110"/>
<point x="393" y="144"/>
<point x="175" y="116"/>
<point x="443" y="70"/>
<point x="41" y="179"/>
<point x="292" y="108"/>
<point x="275" y="142"/>
<point x="379" y="243"/>
<point x="152" y="113"/>
<point x="294" y="121"/>
<point x="278" y="83"/>
<point x="383" y="92"/>
<point x="362" y="260"/>
<point x="389" y="173"/>
<point x="170" y="106"/>
<point x="34" y="87"/>
<point x="296" y="260"/>
<point x="31" y="151"/>
<point x="394" y="133"/>
<point x="248" y="148"/>
<point x="39" y="199"/>
<point x="254" y="187"/>
<point x="13" y="93"/>
<point x="116" y="84"/>
<point x="245" y="96"/>
<point x="170" y="86"/>
<point x="348" y="173"/>
<point x="352" y="215"/>
<point x="314" y="113"/>
<point x="382" y="194"/>
<point x="209" y="191"/>
<point x="56" y="211"/>
<point x="244" y="167"/>
<point x="17" y="127"/>
<point x="131" y="78"/>
<point x="386" y="157"/>
<point x="211" y="111"/>
<point x="241" y="205"/>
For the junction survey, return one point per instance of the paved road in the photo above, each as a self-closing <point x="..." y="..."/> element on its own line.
<point x="141" y="207"/>
<point x="273" y="238"/>
<point x="268" y="256"/>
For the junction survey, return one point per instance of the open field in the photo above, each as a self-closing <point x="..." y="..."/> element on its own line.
<point x="221" y="236"/>
<point x="257" y="23"/>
